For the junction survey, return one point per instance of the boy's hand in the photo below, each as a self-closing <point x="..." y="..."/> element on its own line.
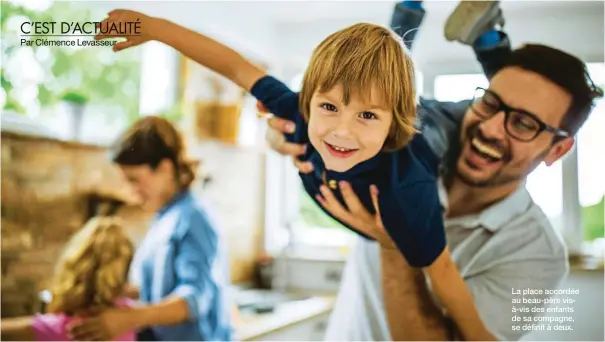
<point x="136" y="27"/>
<point x="355" y="214"/>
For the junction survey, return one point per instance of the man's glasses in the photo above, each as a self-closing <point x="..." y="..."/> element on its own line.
<point x="519" y="124"/>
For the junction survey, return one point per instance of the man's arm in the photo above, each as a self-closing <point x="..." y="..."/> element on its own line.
<point x="411" y="312"/>
<point x="448" y="285"/>
<point x="425" y="248"/>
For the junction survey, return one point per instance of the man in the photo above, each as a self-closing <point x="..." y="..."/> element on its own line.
<point x="499" y="238"/>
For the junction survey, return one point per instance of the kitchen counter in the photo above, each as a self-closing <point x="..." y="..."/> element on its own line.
<point x="586" y="263"/>
<point x="286" y="314"/>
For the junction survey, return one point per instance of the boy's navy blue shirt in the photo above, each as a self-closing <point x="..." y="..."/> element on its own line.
<point x="407" y="181"/>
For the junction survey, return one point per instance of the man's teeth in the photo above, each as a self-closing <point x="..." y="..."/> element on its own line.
<point x="486" y="149"/>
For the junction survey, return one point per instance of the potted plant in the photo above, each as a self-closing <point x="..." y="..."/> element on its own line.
<point x="74" y="104"/>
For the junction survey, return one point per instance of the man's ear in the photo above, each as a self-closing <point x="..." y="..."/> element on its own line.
<point x="558" y="150"/>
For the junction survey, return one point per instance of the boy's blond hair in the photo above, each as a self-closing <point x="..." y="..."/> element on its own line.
<point x="359" y="57"/>
<point x="92" y="271"/>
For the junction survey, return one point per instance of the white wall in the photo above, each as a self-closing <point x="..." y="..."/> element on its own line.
<point x="588" y="316"/>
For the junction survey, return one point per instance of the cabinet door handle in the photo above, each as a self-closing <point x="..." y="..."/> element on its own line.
<point x="321" y="326"/>
<point x="332" y="275"/>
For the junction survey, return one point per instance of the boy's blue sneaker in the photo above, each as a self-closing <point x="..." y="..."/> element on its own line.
<point x="471" y="19"/>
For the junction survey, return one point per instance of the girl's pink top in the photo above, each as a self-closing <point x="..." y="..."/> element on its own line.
<point x="53" y="327"/>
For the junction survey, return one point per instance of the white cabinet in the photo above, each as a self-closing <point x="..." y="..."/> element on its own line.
<point x="310" y="276"/>
<point x="312" y="329"/>
<point x="302" y="320"/>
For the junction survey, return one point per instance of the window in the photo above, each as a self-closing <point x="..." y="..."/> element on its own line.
<point x="309" y="224"/>
<point x="591" y="167"/>
<point x="159" y="70"/>
<point x="454" y="88"/>
<point x="37" y="79"/>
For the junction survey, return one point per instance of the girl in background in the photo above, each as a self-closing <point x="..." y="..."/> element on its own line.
<point x="90" y="276"/>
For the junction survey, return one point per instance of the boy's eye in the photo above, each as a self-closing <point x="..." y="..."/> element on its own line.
<point x="328" y="106"/>
<point x="368" y="116"/>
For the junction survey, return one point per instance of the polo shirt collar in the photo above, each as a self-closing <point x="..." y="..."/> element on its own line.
<point x="496" y="215"/>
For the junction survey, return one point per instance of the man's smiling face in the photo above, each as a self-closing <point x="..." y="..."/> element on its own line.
<point x="489" y="155"/>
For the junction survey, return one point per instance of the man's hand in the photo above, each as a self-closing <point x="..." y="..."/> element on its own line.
<point x="106" y="326"/>
<point x="136" y="27"/>
<point x="275" y="137"/>
<point x="355" y="214"/>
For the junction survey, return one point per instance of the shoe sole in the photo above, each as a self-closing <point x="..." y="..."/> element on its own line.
<point x="457" y="26"/>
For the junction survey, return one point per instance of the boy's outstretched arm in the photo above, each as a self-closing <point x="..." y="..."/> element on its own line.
<point x="196" y="46"/>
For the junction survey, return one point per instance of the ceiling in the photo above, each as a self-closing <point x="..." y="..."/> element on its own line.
<point x="304" y="11"/>
<point x="574" y="27"/>
<point x="287" y="30"/>
<point x="292" y="11"/>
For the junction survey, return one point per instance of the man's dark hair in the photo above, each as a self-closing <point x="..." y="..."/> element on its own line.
<point x="565" y="70"/>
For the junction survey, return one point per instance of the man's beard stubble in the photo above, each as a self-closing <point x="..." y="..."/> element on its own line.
<point x="499" y="178"/>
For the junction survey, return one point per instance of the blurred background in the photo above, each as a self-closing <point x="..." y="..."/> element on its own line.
<point x="63" y="106"/>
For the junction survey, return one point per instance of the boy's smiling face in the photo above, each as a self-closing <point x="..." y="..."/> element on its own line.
<point x="346" y="134"/>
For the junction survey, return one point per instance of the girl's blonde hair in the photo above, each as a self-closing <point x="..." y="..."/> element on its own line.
<point x="360" y="57"/>
<point x="92" y="271"/>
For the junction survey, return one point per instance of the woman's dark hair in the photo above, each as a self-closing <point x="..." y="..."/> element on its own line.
<point x="566" y="71"/>
<point x="151" y="140"/>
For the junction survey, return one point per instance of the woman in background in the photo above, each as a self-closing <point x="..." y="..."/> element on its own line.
<point x="90" y="276"/>
<point x="180" y="265"/>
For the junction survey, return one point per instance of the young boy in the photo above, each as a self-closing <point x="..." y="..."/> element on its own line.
<point x="357" y="109"/>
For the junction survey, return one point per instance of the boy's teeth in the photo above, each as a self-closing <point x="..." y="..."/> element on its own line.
<point x="340" y="149"/>
<point x="490" y="151"/>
